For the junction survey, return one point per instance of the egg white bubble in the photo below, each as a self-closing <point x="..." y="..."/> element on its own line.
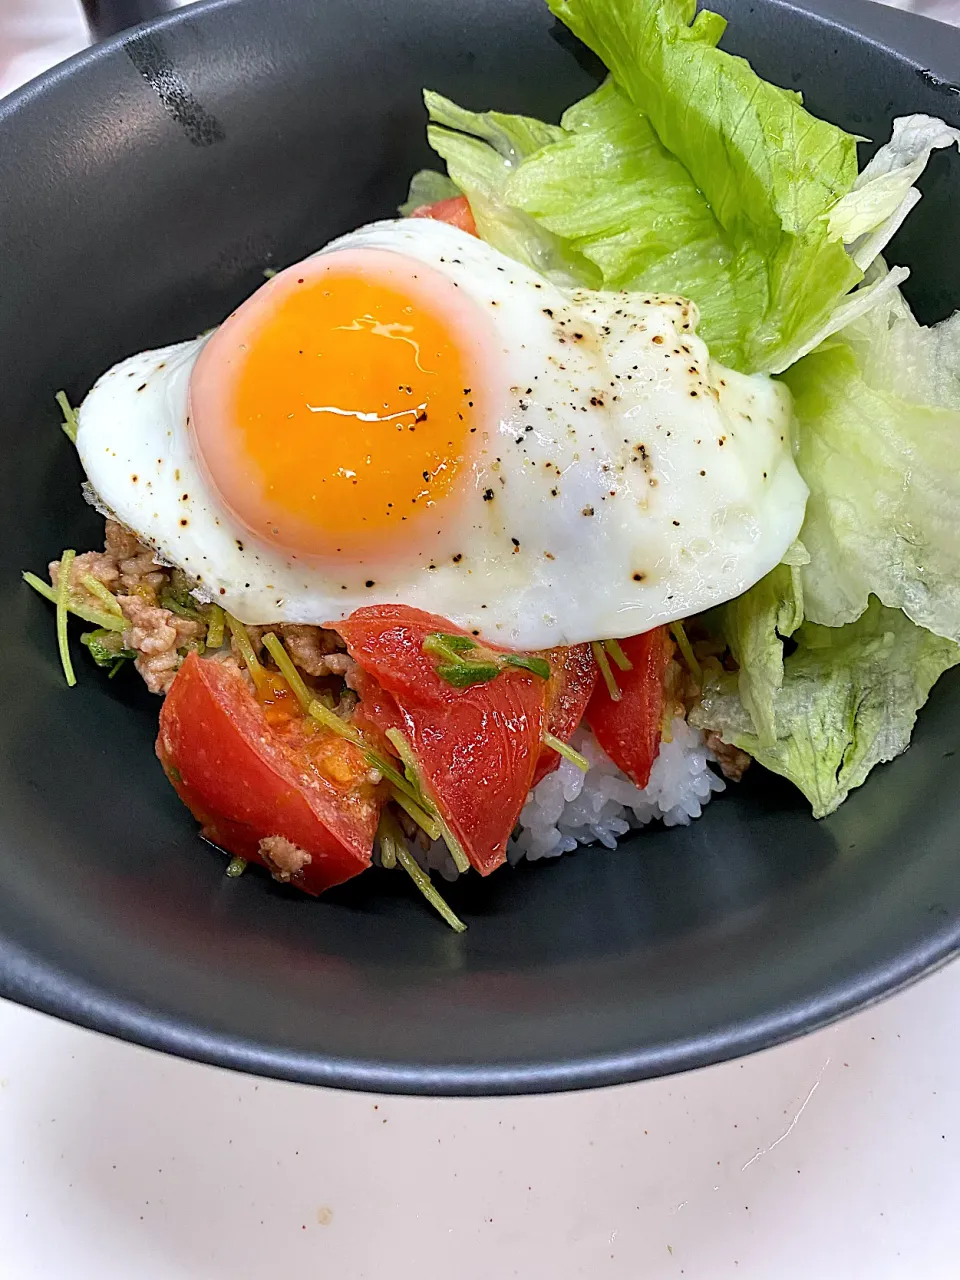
<point x="628" y="481"/>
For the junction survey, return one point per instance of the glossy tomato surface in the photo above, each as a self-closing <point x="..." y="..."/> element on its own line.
<point x="246" y="774"/>
<point x="476" y="747"/>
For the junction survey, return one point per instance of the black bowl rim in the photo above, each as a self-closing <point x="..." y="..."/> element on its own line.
<point x="27" y="979"/>
<point x="38" y="985"/>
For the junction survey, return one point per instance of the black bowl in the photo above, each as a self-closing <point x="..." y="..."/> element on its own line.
<point x="144" y="187"/>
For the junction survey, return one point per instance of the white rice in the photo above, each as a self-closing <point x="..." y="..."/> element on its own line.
<point x="570" y="808"/>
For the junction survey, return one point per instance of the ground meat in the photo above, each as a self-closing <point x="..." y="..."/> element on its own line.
<point x="128" y="569"/>
<point x="156" y="634"/>
<point x="282" y="857"/>
<point x="138" y="569"/>
<point x="120" y="542"/>
<point x="125" y="567"/>
<point x="340" y="664"/>
<point x="256" y="635"/>
<point x="732" y="761"/>
<point x="316" y="652"/>
<point x="96" y="564"/>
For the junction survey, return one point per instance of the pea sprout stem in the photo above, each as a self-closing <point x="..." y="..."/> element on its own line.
<point x="425" y="885"/>
<point x="330" y="720"/>
<point x="615" y="651"/>
<point x="63" y="594"/>
<point x="215" y="625"/>
<point x="69" y="423"/>
<point x="405" y="752"/>
<point x="388" y="844"/>
<point x="564" y="749"/>
<point x="285" y="665"/>
<point x="393" y="850"/>
<point x="243" y="642"/>
<point x="96" y="588"/>
<point x="603" y="662"/>
<point x="423" y="819"/>
<point x="107" y="621"/>
<point x="678" y="631"/>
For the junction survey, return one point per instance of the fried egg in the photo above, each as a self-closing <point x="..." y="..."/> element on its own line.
<point x="409" y="416"/>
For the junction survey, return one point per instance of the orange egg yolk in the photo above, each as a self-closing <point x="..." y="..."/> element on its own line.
<point x="335" y="411"/>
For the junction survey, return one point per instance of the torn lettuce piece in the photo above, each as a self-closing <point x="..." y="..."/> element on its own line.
<point x="873" y="295"/>
<point x="427" y="187"/>
<point x="768" y="170"/>
<point x="883" y="516"/>
<point x="903" y="358"/>
<point x="686" y="173"/>
<point x="755" y="626"/>
<point x="481" y="150"/>
<point x="848" y="701"/>
<point x="611" y="190"/>
<point x="884" y="193"/>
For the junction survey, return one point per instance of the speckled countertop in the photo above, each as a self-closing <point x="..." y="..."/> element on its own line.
<point x="834" y="1157"/>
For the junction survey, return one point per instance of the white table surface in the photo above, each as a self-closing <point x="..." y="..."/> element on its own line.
<point x="833" y="1158"/>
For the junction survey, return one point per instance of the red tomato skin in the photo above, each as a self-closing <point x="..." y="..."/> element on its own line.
<point x="243" y="779"/>
<point x="574" y="675"/>
<point x="456" y="211"/>
<point x="477" y="748"/>
<point x="629" y="730"/>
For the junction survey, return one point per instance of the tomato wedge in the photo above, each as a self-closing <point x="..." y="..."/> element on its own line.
<point x="572" y="679"/>
<point x="476" y="748"/>
<point x="629" y="730"/>
<point x="247" y="773"/>
<point x="456" y="211"/>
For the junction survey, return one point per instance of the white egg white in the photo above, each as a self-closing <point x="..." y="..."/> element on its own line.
<point x="628" y="481"/>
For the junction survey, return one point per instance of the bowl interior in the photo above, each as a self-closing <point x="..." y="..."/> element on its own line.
<point x="145" y="189"/>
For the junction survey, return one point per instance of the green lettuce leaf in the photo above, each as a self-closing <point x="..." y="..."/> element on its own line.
<point x="754" y="626"/>
<point x="883" y="516"/>
<point x="900" y="357"/>
<point x="769" y="170"/>
<point x="482" y="149"/>
<point x="611" y="190"/>
<point x="848" y="701"/>
<point x="686" y="173"/>
<point x="884" y="193"/>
